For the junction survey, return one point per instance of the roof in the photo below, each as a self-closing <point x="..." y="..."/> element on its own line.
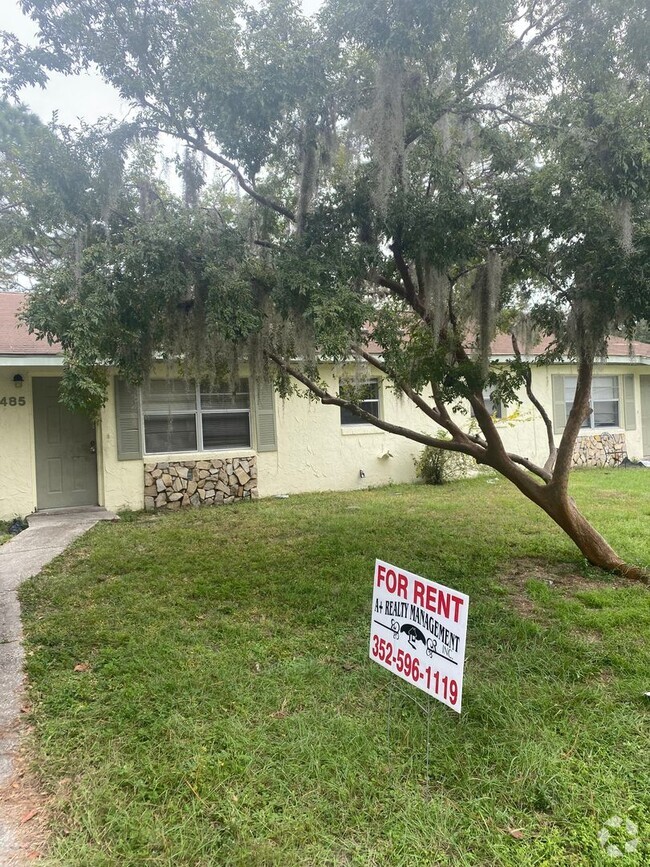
<point x="617" y="348"/>
<point x="15" y="338"/>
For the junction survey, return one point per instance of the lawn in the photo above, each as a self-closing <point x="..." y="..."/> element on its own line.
<point x="226" y="712"/>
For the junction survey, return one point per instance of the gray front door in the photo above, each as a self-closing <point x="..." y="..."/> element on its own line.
<point x="645" y="414"/>
<point x="66" y="463"/>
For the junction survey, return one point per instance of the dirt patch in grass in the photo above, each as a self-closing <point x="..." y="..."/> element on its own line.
<point x="23" y="815"/>
<point x="603" y="678"/>
<point x="559" y="577"/>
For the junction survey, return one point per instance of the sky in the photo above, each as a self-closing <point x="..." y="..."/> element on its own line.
<point x="83" y="96"/>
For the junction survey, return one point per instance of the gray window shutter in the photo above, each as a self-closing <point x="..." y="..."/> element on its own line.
<point x="630" y="406"/>
<point x="265" y="417"/>
<point x="127" y="418"/>
<point x="559" y="405"/>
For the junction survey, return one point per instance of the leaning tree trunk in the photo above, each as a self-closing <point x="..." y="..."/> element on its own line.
<point x="563" y="510"/>
<point x="554" y="499"/>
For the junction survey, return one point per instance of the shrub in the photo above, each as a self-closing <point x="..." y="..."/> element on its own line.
<point x="437" y="466"/>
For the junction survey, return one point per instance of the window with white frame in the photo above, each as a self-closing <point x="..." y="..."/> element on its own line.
<point x="364" y="394"/>
<point x="225" y="415"/>
<point x="181" y="416"/>
<point x="494" y="407"/>
<point x="605" y="401"/>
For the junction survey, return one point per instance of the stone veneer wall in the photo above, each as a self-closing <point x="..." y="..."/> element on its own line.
<point x="171" y="485"/>
<point x="599" y="450"/>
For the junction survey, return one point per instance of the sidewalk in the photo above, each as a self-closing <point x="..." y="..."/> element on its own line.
<point x="48" y="535"/>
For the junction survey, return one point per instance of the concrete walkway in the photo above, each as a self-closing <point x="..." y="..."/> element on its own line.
<point x="48" y="535"/>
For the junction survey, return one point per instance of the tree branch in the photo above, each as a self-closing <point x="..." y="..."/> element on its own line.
<point x="496" y="108"/>
<point x="541" y="472"/>
<point x="518" y="46"/>
<point x="198" y="144"/>
<point x="442" y="417"/>
<point x="403" y="269"/>
<point x="417" y="399"/>
<point x="577" y="415"/>
<point x="329" y="400"/>
<point x="548" y="424"/>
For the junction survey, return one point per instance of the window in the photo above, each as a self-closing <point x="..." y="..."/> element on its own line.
<point x="604" y="401"/>
<point x="182" y="416"/>
<point x="169" y="408"/>
<point x="365" y="394"/>
<point x="494" y="407"/>
<point x="225" y="416"/>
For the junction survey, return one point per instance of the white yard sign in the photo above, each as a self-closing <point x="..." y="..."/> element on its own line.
<point x="418" y="632"/>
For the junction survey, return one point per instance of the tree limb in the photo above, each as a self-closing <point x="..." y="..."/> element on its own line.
<point x="548" y="424"/>
<point x="198" y="144"/>
<point x="497" y="109"/>
<point x="417" y="399"/>
<point x="403" y="269"/>
<point x="518" y="46"/>
<point x="577" y="415"/>
<point x="330" y="400"/>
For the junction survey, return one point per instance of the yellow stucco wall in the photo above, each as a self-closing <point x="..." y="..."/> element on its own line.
<point x="18" y="494"/>
<point x="314" y="451"/>
<point x="121" y="482"/>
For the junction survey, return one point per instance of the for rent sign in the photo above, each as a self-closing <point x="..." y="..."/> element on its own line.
<point x="418" y="632"/>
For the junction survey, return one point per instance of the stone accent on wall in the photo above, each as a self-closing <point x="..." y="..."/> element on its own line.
<point x="599" y="450"/>
<point x="173" y="485"/>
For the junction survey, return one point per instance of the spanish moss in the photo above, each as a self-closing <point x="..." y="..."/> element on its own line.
<point x="624" y="220"/>
<point x="387" y="128"/>
<point x="486" y="291"/>
<point x="436" y="298"/>
<point x="309" y="165"/>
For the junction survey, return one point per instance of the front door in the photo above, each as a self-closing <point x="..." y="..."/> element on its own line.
<point x="66" y="463"/>
<point x="645" y="414"/>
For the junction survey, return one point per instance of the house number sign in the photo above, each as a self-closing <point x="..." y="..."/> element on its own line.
<point x="13" y="401"/>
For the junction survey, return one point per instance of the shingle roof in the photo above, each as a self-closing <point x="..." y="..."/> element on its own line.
<point x="15" y="339"/>
<point x="617" y="347"/>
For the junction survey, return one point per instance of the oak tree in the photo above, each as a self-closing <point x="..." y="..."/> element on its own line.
<point x="408" y="173"/>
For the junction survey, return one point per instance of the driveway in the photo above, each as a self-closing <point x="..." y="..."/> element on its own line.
<point x="48" y="535"/>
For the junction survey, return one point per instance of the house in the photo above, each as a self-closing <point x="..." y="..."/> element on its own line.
<point x="176" y="443"/>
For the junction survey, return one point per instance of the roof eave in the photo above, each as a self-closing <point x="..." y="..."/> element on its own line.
<point x="533" y="359"/>
<point x="30" y="360"/>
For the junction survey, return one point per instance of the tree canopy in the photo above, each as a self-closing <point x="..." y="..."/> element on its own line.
<point x="424" y="173"/>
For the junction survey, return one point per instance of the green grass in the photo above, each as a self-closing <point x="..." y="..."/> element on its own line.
<point x="230" y="715"/>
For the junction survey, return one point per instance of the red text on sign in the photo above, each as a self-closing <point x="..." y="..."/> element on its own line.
<point x="436" y="601"/>
<point x="395" y="582"/>
<point x="409" y="666"/>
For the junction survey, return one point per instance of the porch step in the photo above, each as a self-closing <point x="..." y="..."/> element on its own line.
<point x="81" y="513"/>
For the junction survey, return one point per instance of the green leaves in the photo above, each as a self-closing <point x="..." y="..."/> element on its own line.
<point x="411" y="140"/>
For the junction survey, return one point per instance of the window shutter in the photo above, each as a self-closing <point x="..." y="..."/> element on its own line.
<point x="630" y="407"/>
<point x="559" y="405"/>
<point x="265" y="417"/>
<point x="127" y="418"/>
